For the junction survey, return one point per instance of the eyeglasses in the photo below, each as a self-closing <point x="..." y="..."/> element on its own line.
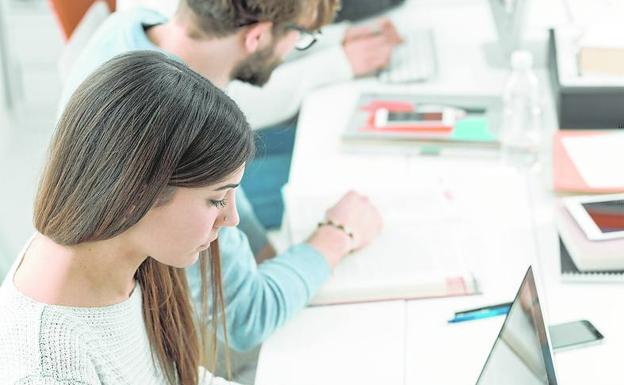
<point x="307" y="38"/>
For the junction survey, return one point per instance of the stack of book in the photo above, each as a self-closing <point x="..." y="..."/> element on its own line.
<point x="583" y="260"/>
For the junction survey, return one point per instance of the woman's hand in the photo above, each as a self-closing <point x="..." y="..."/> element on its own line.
<point x="356" y="213"/>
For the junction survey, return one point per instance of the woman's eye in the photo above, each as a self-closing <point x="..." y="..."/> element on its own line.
<point x="219" y="203"/>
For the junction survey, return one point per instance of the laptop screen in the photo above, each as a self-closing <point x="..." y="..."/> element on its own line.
<point x="521" y="354"/>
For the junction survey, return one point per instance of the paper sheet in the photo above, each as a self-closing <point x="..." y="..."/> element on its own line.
<point x="598" y="159"/>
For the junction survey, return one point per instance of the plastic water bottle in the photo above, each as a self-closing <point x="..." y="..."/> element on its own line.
<point x="521" y="134"/>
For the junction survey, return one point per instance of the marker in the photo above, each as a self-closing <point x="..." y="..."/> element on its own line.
<point x="487" y="313"/>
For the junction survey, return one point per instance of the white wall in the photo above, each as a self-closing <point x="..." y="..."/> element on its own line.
<point x="36" y="44"/>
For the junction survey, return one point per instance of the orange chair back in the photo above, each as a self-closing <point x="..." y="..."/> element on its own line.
<point x="70" y="12"/>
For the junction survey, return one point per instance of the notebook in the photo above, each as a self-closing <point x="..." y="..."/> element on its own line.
<point x="566" y="175"/>
<point x="570" y="273"/>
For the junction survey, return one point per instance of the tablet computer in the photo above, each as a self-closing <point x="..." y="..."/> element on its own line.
<point x="600" y="217"/>
<point x="522" y="352"/>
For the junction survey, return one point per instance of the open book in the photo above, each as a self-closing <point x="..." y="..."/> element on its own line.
<point x="426" y="255"/>
<point x="443" y="226"/>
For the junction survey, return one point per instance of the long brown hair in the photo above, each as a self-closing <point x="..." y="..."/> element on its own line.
<point x="138" y="127"/>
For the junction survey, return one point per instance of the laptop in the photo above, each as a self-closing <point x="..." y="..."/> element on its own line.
<point x="522" y="353"/>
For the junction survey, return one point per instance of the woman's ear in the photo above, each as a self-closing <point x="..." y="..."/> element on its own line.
<point x="255" y="36"/>
<point x="165" y="196"/>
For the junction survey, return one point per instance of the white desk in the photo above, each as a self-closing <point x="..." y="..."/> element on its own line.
<point x="409" y="342"/>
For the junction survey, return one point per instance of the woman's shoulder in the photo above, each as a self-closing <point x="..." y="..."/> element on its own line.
<point x="39" y="340"/>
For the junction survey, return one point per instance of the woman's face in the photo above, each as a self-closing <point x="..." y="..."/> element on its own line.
<point x="174" y="233"/>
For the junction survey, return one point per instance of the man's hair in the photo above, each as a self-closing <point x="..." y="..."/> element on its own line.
<point x="224" y="17"/>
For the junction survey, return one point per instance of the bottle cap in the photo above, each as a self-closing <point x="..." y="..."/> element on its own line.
<point x="521" y="60"/>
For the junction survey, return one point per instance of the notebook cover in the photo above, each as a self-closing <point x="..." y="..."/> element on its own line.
<point x="566" y="177"/>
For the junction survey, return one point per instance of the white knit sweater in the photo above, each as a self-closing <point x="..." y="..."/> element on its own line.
<point x="52" y="345"/>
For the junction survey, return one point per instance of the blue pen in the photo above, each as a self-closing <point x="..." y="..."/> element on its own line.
<point x="486" y="313"/>
<point x="482" y="308"/>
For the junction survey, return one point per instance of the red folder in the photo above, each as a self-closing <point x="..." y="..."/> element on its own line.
<point x="566" y="178"/>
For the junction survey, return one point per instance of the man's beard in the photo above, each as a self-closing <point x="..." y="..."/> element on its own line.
<point x="257" y="68"/>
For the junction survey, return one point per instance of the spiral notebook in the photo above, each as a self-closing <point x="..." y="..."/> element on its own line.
<point x="570" y="273"/>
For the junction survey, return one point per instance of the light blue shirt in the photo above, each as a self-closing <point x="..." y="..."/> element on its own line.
<point x="259" y="298"/>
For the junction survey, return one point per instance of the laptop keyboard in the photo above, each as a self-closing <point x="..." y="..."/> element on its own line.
<point x="412" y="61"/>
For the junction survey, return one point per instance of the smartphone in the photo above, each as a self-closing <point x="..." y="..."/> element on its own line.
<point x="403" y="117"/>
<point x="575" y="334"/>
<point x="435" y="118"/>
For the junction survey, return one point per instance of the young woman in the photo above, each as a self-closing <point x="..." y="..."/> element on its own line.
<point x="142" y="174"/>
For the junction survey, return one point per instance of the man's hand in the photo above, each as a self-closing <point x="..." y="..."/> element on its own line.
<point x="382" y="26"/>
<point x="369" y="47"/>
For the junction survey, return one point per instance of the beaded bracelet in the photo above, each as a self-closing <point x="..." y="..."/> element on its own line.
<point x="341" y="227"/>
